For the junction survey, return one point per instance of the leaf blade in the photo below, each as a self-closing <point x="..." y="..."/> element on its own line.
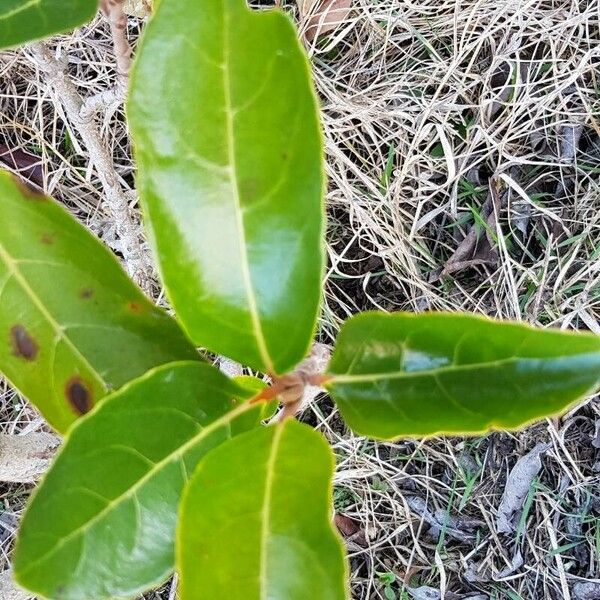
<point x="253" y="491"/>
<point x="72" y="322"/>
<point x="244" y="268"/>
<point x="102" y="523"/>
<point x="25" y="20"/>
<point x="435" y="373"/>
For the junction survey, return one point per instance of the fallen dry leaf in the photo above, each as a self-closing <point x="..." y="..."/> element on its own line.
<point x="322" y="16"/>
<point x="350" y="529"/>
<point x="517" y="487"/>
<point x="457" y="527"/>
<point x="424" y="593"/>
<point x="28" y="166"/>
<point x="478" y="249"/>
<point x="515" y="564"/>
<point x="586" y="590"/>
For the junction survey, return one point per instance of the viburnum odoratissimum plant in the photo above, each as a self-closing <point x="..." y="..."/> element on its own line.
<point x="171" y="465"/>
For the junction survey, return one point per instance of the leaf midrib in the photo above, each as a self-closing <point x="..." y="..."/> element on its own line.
<point x="19" y="9"/>
<point x="244" y="263"/>
<point x="266" y="512"/>
<point x="175" y="455"/>
<point x="349" y="378"/>
<point x="13" y="269"/>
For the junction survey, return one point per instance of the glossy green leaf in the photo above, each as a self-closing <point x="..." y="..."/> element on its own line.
<point x="227" y="139"/>
<point x="102" y="523"/>
<point x="25" y="20"/>
<point x="256" y="520"/>
<point x="403" y="374"/>
<point x="72" y="324"/>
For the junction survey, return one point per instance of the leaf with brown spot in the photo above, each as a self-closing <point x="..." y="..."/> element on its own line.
<point x="47" y="238"/>
<point x="135" y="451"/>
<point x="79" y="395"/>
<point x="47" y="334"/>
<point x="86" y="293"/>
<point x="28" y="191"/>
<point x="134" y="307"/>
<point x="24" y="346"/>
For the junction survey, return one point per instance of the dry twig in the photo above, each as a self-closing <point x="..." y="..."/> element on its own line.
<point x="64" y="93"/>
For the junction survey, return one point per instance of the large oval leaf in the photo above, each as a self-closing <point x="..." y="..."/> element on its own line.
<point x="256" y="520"/>
<point x="72" y="324"/>
<point x="102" y="523"/>
<point x="227" y="140"/>
<point x="404" y="374"/>
<point x="25" y="20"/>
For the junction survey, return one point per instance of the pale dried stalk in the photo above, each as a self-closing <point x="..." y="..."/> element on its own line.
<point x="117" y="19"/>
<point x="173" y="590"/>
<point x="113" y="97"/>
<point x="25" y="458"/>
<point x="127" y="231"/>
<point x="231" y="368"/>
<point x="9" y="591"/>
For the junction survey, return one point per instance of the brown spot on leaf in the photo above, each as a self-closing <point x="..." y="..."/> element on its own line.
<point x="79" y="395"/>
<point x="47" y="238"/>
<point x="86" y="293"/>
<point x="23" y="345"/>
<point x="135" y="307"/>
<point x="28" y="191"/>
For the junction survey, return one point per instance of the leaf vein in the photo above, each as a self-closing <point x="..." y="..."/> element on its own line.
<point x="245" y="267"/>
<point x="168" y="459"/>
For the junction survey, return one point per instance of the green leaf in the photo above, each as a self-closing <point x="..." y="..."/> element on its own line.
<point x="411" y="375"/>
<point x="102" y="523"/>
<point x="226" y="133"/>
<point x="256" y="520"/>
<point x="25" y="20"/>
<point x="72" y="324"/>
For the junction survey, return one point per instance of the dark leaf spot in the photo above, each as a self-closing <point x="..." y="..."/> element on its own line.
<point x="23" y="345"/>
<point x="79" y="395"/>
<point x="135" y="307"/>
<point x="86" y="293"/>
<point x="47" y="238"/>
<point x="28" y="191"/>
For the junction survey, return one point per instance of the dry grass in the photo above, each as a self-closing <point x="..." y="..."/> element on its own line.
<point x="430" y="109"/>
<point x="436" y="112"/>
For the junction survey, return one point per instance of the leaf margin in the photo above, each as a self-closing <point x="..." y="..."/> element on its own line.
<point x="331" y="378"/>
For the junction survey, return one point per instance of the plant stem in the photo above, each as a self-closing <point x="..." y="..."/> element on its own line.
<point x="128" y="232"/>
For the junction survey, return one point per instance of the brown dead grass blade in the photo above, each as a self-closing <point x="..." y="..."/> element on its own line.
<point x="322" y="16"/>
